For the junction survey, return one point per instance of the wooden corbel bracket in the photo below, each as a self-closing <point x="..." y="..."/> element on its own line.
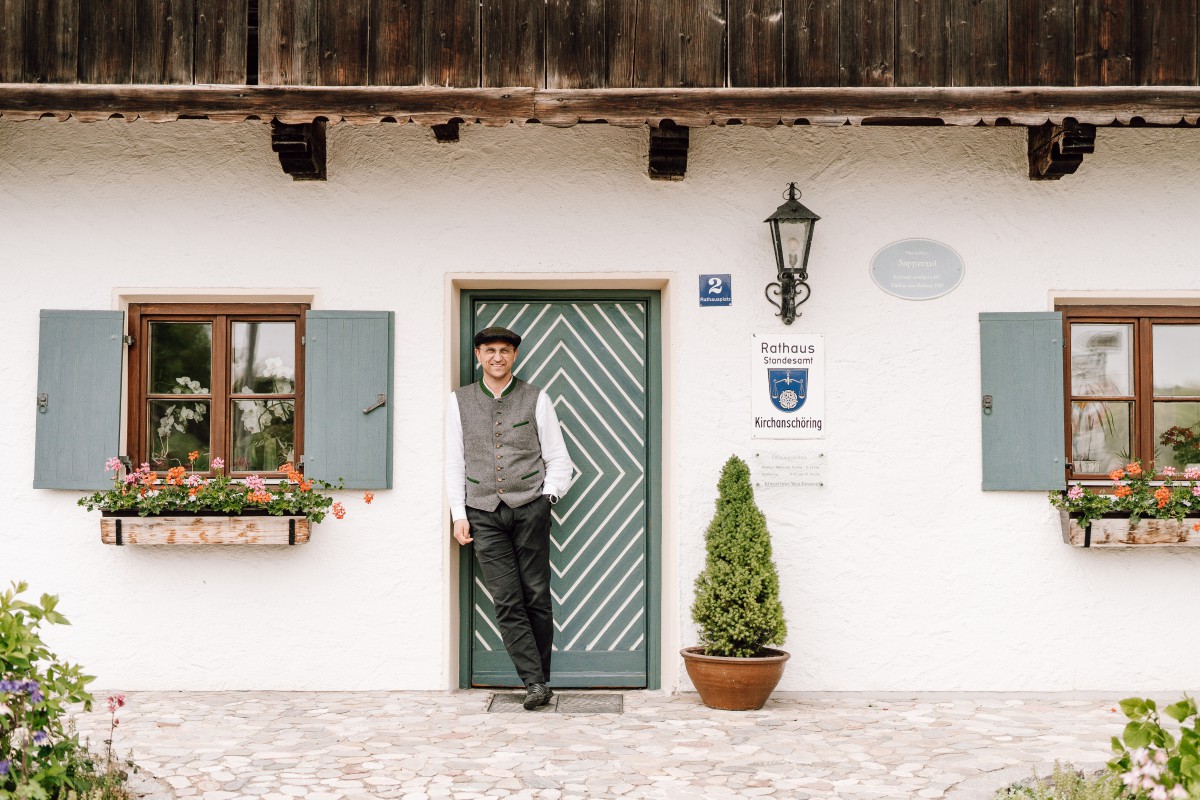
<point x="1057" y="150"/>
<point x="447" y="133"/>
<point x="668" y="151"/>
<point x="301" y="149"/>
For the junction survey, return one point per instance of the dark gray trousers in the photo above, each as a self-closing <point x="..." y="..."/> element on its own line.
<point x="513" y="548"/>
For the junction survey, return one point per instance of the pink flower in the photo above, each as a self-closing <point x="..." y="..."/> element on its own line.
<point x="116" y="701"/>
<point x="218" y="463"/>
<point x="1075" y="492"/>
<point x="131" y="477"/>
<point x="1169" y="472"/>
<point x="194" y="480"/>
<point x="1196" y="491"/>
<point x="113" y="464"/>
<point x="256" y="483"/>
<point x="1191" y="473"/>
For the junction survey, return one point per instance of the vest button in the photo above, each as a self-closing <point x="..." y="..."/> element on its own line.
<point x="499" y="491"/>
<point x="500" y="479"/>
<point x="497" y="423"/>
<point x="497" y="434"/>
<point x="497" y="455"/>
<point x="497" y="447"/>
<point x="498" y="467"/>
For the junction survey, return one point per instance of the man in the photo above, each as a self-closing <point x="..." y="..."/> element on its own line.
<point x="506" y="465"/>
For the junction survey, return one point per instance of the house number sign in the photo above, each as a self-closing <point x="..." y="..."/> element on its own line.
<point x="917" y="269"/>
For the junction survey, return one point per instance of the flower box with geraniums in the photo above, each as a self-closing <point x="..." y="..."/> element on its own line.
<point x="1135" y="510"/>
<point x="182" y="507"/>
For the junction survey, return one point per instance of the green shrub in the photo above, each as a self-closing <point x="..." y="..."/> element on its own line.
<point x="1149" y="759"/>
<point x="1066" y="783"/>
<point x="40" y="753"/>
<point x="737" y="595"/>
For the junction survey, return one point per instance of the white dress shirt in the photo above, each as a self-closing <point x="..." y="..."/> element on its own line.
<point x="554" y="452"/>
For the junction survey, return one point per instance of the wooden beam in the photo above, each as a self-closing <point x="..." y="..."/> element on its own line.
<point x="447" y="133"/>
<point x="1057" y="150"/>
<point x="668" y="151"/>
<point x="431" y="105"/>
<point x="301" y="149"/>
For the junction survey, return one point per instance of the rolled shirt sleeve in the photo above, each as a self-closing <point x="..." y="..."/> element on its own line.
<point x="554" y="449"/>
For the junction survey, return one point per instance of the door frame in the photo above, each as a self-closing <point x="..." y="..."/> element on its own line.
<point x="654" y="449"/>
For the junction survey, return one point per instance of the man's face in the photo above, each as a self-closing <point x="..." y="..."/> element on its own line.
<point x="497" y="359"/>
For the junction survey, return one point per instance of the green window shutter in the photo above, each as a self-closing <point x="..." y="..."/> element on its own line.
<point x="79" y="398"/>
<point x="347" y="365"/>
<point x="1022" y="366"/>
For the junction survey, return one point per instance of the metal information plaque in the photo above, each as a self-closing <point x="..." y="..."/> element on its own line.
<point x="778" y="468"/>
<point x="917" y="269"/>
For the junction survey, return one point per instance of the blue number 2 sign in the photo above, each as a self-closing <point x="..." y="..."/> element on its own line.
<point x="715" y="290"/>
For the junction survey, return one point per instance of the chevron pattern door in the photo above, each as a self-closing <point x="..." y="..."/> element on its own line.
<point x="591" y="356"/>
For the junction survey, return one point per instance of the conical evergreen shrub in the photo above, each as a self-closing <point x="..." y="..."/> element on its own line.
<point x="737" y="595"/>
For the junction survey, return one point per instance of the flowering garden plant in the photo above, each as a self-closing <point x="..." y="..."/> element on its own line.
<point x="1151" y="761"/>
<point x="149" y="493"/>
<point x="1133" y="492"/>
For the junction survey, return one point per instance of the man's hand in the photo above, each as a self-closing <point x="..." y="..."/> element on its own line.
<point x="462" y="531"/>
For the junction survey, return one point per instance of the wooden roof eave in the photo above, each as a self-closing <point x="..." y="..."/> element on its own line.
<point x="432" y="105"/>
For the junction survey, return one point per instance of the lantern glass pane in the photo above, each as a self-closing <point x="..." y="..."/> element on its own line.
<point x="793" y="238"/>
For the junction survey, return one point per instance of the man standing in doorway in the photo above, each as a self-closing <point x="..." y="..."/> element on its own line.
<point x="506" y="465"/>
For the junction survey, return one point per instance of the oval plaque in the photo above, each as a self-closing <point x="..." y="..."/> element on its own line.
<point x="917" y="269"/>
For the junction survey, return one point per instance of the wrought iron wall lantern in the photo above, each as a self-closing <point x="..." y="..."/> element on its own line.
<point x="791" y="232"/>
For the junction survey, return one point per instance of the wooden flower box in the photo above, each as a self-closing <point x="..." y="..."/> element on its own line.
<point x="125" y="529"/>
<point x="1115" y="531"/>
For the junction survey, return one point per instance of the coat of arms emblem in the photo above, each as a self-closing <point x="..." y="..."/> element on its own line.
<point x="789" y="388"/>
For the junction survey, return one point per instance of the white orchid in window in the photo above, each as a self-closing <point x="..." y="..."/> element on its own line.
<point x="178" y="418"/>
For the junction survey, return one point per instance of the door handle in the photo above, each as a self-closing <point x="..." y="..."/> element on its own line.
<point x="380" y="400"/>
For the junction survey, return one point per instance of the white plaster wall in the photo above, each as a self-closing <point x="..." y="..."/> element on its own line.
<point x="900" y="575"/>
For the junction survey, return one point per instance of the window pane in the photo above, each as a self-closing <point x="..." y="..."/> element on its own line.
<point x="180" y="357"/>
<point x="1099" y="434"/>
<point x="1176" y="368"/>
<point x="264" y="434"/>
<point x="176" y="428"/>
<point x="264" y="358"/>
<point x="1176" y="434"/>
<point x="1102" y="360"/>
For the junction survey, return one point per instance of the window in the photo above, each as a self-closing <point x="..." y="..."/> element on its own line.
<point x="254" y="384"/>
<point x="1132" y="384"/>
<point x="223" y="381"/>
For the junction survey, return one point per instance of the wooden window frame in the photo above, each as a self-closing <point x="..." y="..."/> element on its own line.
<point x="1142" y="318"/>
<point x="222" y="316"/>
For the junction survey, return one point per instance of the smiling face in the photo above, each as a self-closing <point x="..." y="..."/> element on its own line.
<point x="497" y="359"/>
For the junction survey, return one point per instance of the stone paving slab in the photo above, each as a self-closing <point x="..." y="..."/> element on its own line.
<point x="417" y="745"/>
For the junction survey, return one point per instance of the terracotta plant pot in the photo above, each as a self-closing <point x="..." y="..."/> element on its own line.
<point x="734" y="684"/>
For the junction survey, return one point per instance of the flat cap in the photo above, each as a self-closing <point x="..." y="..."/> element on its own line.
<point x="497" y="334"/>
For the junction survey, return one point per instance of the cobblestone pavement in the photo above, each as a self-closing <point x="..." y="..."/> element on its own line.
<point x="325" y="746"/>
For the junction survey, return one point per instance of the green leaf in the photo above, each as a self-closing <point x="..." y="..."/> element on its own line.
<point x="1181" y="710"/>
<point x="1134" y="707"/>
<point x="1137" y="734"/>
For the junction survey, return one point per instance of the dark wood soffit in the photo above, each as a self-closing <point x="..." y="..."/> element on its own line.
<point x="1155" y="105"/>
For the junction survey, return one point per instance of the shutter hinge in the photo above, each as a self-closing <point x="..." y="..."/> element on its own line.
<point x="127" y="339"/>
<point x="302" y="341"/>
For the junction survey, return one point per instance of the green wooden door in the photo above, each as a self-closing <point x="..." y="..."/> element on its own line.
<point x="592" y="354"/>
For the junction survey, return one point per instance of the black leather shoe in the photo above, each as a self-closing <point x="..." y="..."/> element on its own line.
<point x="537" y="695"/>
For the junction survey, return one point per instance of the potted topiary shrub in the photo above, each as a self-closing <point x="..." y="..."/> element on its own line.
<point x="737" y="603"/>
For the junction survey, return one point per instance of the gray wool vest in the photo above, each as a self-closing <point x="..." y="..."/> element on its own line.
<point x="503" y="451"/>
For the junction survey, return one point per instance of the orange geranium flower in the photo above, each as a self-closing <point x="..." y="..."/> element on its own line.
<point x="175" y="475"/>
<point x="305" y="486"/>
<point x="1163" y="495"/>
<point x="192" y="456"/>
<point x="368" y="497"/>
<point x="1123" y="491"/>
<point x="286" y="467"/>
<point x="1134" y="469"/>
<point x="1116" y="474"/>
<point x="259" y="496"/>
<point x="192" y="492"/>
<point x="339" y="510"/>
<point x="149" y="479"/>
